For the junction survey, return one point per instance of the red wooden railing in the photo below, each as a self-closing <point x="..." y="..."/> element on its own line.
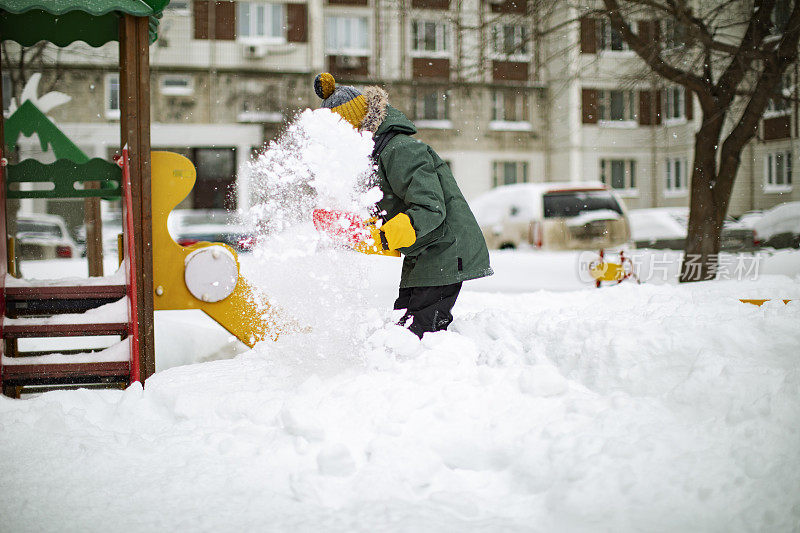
<point x="130" y="266"/>
<point x="3" y="254"/>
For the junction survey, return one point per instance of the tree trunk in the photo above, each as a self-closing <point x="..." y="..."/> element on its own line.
<point x="705" y="218"/>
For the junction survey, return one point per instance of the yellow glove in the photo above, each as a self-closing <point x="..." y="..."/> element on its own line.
<point x="396" y="233"/>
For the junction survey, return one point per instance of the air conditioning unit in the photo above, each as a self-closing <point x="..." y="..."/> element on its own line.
<point x="348" y="62"/>
<point x="254" y="51"/>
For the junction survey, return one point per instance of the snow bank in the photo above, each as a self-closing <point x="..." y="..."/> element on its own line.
<point x="632" y="408"/>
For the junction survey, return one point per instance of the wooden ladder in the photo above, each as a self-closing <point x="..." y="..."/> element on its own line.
<point x="57" y="309"/>
<point x="36" y="305"/>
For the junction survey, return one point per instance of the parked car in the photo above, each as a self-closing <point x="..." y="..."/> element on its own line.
<point x="112" y="228"/>
<point x="555" y="216"/>
<point x="749" y="219"/>
<point x="190" y="226"/>
<point x="236" y="237"/>
<point x="43" y="236"/>
<point x="666" y="228"/>
<point x="779" y="227"/>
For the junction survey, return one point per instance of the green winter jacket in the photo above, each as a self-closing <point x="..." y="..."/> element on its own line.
<point x="450" y="246"/>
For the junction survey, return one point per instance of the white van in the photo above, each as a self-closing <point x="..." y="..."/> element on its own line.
<point x="554" y="216"/>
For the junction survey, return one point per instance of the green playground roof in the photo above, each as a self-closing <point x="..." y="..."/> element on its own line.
<point x="62" y="22"/>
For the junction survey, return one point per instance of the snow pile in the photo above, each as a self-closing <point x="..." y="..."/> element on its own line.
<point x="630" y="408"/>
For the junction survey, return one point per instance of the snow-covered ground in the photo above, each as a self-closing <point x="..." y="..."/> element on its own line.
<point x="548" y="406"/>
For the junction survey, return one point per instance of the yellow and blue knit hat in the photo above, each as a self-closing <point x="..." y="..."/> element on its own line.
<point x="345" y="100"/>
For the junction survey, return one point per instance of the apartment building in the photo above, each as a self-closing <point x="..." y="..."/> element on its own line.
<point x="500" y="103"/>
<point x="635" y="131"/>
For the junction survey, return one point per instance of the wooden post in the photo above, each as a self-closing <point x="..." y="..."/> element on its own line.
<point x="94" y="232"/>
<point x="3" y="235"/>
<point x="134" y="50"/>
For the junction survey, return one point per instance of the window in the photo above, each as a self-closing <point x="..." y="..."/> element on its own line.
<point x="674" y="34"/>
<point x="608" y="39"/>
<point x="676" y="176"/>
<point x="509" y="172"/>
<point x="346" y="35"/>
<point x="780" y="16"/>
<point x="573" y="203"/>
<point x="258" y="108"/>
<point x="620" y="174"/>
<point x="432" y="105"/>
<point x="510" y="40"/>
<point x="216" y="178"/>
<point x="778" y="171"/>
<point x="429" y="37"/>
<point x="616" y="106"/>
<point x="675" y="103"/>
<point x="779" y="103"/>
<point x="178" y="7"/>
<point x="112" y="96"/>
<point x="510" y="106"/>
<point x="177" y="85"/>
<point x="260" y="21"/>
<point x="8" y="91"/>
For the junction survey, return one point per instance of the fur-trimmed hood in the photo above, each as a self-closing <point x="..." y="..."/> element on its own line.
<point x="377" y="101"/>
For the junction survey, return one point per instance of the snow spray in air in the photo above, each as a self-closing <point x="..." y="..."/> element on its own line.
<point x="320" y="161"/>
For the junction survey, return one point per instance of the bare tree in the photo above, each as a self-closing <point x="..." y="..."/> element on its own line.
<point x="732" y="56"/>
<point x="20" y="63"/>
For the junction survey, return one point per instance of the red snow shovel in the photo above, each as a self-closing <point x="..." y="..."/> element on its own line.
<point x="348" y="228"/>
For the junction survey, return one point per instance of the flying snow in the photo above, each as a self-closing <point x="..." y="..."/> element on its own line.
<point x="319" y="162"/>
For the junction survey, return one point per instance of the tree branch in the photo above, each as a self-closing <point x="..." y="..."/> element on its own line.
<point x="768" y="82"/>
<point x="649" y="52"/>
<point x="725" y="89"/>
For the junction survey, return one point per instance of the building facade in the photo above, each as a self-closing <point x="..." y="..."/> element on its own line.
<point x="501" y="101"/>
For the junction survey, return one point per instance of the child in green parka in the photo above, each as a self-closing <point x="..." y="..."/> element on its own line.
<point x="424" y="215"/>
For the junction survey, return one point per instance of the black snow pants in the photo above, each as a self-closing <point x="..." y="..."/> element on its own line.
<point x="428" y="307"/>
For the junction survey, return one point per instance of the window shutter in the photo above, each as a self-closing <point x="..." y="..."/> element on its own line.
<point x="655" y="27"/>
<point x="430" y="4"/>
<point x="201" y="19"/>
<point x="224" y="21"/>
<point x="659" y="110"/>
<point x="297" y="23"/>
<point x="650" y="111"/>
<point x="519" y="7"/>
<point x="689" y="101"/>
<point x="643" y="30"/>
<point x="588" y="35"/>
<point x="589" y="105"/>
<point x="649" y="30"/>
<point x="645" y="111"/>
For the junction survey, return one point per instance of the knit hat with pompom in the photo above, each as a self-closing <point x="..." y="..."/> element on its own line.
<point x="344" y="100"/>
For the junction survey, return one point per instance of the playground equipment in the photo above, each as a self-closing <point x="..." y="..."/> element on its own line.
<point x="602" y="270"/>
<point x="204" y="276"/>
<point x="759" y="302"/>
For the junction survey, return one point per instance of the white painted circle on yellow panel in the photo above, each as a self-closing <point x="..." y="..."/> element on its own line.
<point x="211" y="273"/>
